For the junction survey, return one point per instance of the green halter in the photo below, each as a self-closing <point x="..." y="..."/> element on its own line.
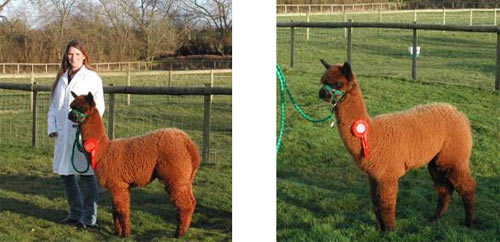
<point x="80" y="117"/>
<point x="336" y="94"/>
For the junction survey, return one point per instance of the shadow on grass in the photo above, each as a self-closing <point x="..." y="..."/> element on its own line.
<point x="416" y="202"/>
<point x="155" y="203"/>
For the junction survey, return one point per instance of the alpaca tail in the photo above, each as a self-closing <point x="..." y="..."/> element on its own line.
<point x="195" y="156"/>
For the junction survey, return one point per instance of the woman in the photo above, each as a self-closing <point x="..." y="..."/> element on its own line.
<point x="75" y="75"/>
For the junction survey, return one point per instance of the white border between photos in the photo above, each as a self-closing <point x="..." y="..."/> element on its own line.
<point x="254" y="121"/>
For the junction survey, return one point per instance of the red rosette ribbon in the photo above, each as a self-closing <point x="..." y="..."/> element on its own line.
<point x="360" y="129"/>
<point x="90" y="147"/>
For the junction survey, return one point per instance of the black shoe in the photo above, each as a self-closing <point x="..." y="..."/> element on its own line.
<point x="69" y="221"/>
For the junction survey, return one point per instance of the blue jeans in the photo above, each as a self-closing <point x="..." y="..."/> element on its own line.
<point x="82" y="204"/>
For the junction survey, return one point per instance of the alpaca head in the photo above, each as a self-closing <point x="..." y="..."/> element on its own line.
<point x="81" y="107"/>
<point x="336" y="80"/>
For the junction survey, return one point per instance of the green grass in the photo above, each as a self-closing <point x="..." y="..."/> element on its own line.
<point x="322" y="196"/>
<point x="32" y="198"/>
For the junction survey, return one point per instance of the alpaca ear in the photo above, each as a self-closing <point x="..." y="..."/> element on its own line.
<point x="346" y="71"/>
<point x="325" y="63"/>
<point x="90" y="99"/>
<point x="73" y="94"/>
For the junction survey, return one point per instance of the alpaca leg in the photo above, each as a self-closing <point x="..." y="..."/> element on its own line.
<point x="444" y="189"/>
<point x="376" y="203"/>
<point x="183" y="199"/>
<point x="387" y="193"/>
<point x="466" y="186"/>
<point x="121" y="214"/>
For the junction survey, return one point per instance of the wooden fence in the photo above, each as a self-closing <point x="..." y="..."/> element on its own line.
<point x="471" y="12"/>
<point x="322" y="8"/>
<point x="18" y="68"/>
<point x="350" y="25"/>
<point x="206" y="91"/>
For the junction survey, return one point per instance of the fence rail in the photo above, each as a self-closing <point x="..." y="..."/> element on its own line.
<point x="121" y="73"/>
<point x="206" y="91"/>
<point x="350" y="25"/>
<point x="123" y="66"/>
<point x="320" y="8"/>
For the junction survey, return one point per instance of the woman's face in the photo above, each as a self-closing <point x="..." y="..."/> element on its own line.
<point x="75" y="58"/>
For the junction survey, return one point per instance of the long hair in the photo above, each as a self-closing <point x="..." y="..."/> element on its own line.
<point x="65" y="62"/>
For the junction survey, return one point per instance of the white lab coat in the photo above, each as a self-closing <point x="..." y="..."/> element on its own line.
<point x="83" y="82"/>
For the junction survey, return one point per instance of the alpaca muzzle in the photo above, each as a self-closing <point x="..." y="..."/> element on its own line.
<point x="329" y="94"/>
<point x="76" y="116"/>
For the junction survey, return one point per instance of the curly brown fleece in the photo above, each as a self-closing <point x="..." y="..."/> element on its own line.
<point x="436" y="135"/>
<point x="167" y="154"/>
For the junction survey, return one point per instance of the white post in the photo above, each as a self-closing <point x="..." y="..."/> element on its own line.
<point x="414" y="15"/>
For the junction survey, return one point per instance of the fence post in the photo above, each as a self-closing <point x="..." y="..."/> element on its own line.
<point x="17" y="68"/>
<point x="111" y="122"/>
<point x="3" y="69"/>
<point x="292" y="45"/>
<point x="35" y="115"/>
<point x="495" y="16"/>
<point x="414" y="55"/>
<point x="470" y="21"/>
<point x="32" y="81"/>
<point x="345" y="20"/>
<point x="212" y="78"/>
<point x="206" y="127"/>
<point x="307" y="29"/>
<point x="128" y="84"/>
<point x="349" y="42"/>
<point x="379" y="17"/>
<point x="444" y="16"/>
<point x="497" y="77"/>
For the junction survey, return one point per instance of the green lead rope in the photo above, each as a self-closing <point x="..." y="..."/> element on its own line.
<point x="284" y="88"/>
<point x="80" y="148"/>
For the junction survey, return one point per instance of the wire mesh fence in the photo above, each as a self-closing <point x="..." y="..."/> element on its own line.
<point x="140" y="115"/>
<point x="450" y="57"/>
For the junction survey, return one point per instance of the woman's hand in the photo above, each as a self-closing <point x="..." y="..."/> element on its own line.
<point x="52" y="135"/>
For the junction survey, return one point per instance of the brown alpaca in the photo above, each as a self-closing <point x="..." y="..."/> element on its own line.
<point x="435" y="134"/>
<point x="167" y="154"/>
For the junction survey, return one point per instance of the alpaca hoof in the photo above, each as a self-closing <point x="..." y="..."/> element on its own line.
<point x="469" y="224"/>
<point x="434" y="218"/>
<point x="178" y="234"/>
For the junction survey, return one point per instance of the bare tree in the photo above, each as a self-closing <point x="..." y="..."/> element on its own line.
<point x="151" y="18"/>
<point x="54" y="15"/>
<point x="2" y="6"/>
<point x="217" y="14"/>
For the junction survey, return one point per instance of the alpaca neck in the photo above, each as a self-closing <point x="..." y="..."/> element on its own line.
<point x="350" y="109"/>
<point x="93" y="128"/>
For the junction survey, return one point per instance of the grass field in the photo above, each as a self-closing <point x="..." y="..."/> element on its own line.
<point x="32" y="199"/>
<point x="322" y="196"/>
